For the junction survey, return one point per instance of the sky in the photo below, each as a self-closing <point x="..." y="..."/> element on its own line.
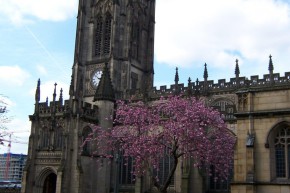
<point x="37" y="41"/>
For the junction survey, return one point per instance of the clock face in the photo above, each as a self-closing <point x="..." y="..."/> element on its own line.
<point x="95" y="79"/>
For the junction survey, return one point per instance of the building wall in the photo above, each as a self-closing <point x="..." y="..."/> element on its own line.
<point x="255" y="165"/>
<point x="15" y="170"/>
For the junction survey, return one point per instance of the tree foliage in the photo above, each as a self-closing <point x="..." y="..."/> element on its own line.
<point x="185" y="127"/>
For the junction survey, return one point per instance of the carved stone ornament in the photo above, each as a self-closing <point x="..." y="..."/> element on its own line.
<point x="227" y="97"/>
<point x="103" y="6"/>
<point x="108" y="6"/>
<point x="44" y="123"/>
<point x="60" y="123"/>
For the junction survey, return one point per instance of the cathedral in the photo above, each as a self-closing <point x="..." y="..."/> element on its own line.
<point x="113" y="59"/>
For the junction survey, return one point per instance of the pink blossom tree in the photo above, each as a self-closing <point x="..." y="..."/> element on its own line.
<point x="186" y="128"/>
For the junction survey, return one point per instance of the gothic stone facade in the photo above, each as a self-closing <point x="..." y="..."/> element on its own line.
<point x="114" y="60"/>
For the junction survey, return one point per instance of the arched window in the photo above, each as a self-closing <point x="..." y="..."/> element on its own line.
<point x="98" y="35"/>
<point x="86" y="144"/>
<point x="107" y="34"/>
<point x="282" y="152"/>
<point x="278" y="140"/>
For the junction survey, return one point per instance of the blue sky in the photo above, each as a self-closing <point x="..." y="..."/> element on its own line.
<point x="37" y="41"/>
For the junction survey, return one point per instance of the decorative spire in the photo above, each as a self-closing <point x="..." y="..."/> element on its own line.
<point x="105" y="90"/>
<point x="197" y="88"/>
<point x="205" y="76"/>
<point x="176" y="79"/>
<point x="37" y="97"/>
<point x="189" y="87"/>
<point x="271" y="67"/>
<point x="54" y="93"/>
<point x="176" y="76"/>
<point x="53" y="113"/>
<point x="71" y="87"/>
<point x="46" y="101"/>
<point x="37" y="92"/>
<point x="60" y="96"/>
<point x="205" y="73"/>
<point x="237" y="72"/>
<point x="237" y="69"/>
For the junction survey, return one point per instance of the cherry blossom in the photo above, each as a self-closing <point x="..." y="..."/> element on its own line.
<point x="184" y="126"/>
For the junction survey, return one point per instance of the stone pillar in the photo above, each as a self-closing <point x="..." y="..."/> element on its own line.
<point x="138" y="185"/>
<point x="184" y="183"/>
<point x="90" y="41"/>
<point x="75" y="170"/>
<point x="24" y="181"/>
<point x="185" y="169"/>
<point x="58" y="182"/>
<point x="104" y="173"/>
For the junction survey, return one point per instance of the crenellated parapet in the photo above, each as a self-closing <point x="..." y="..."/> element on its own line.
<point x="46" y="108"/>
<point x="222" y="86"/>
<point x="229" y="97"/>
<point x="270" y="81"/>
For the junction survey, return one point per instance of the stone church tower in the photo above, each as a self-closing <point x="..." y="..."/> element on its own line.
<point x="114" y="60"/>
<point x="114" y="52"/>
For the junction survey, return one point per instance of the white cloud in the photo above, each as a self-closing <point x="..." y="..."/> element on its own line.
<point x="191" y="32"/>
<point x="19" y="11"/>
<point x="47" y="89"/>
<point x="13" y="76"/>
<point x="41" y="70"/>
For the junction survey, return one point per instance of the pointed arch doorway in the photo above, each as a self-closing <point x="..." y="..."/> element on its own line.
<point x="49" y="184"/>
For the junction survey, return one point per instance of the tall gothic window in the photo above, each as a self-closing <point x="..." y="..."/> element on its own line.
<point x="44" y="137"/>
<point x="216" y="184"/>
<point x="134" y="80"/>
<point x="86" y="145"/>
<point x="58" y="138"/>
<point x="107" y="34"/>
<point x="126" y="171"/>
<point x="137" y="41"/>
<point x="103" y="33"/>
<point x="282" y="153"/>
<point x="165" y="165"/>
<point x="98" y="36"/>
